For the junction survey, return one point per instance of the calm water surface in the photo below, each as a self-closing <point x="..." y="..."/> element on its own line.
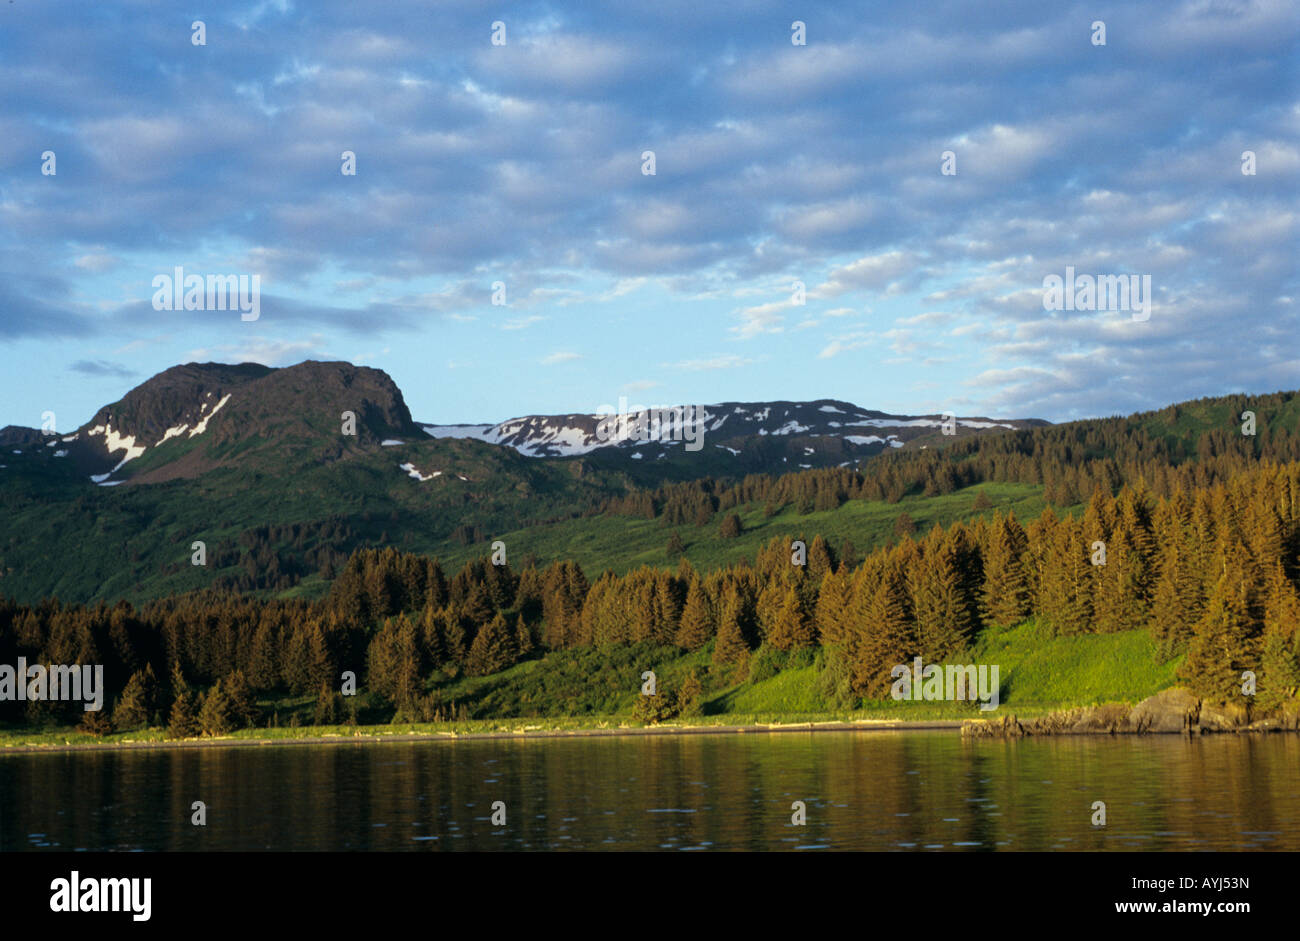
<point x="907" y="791"/>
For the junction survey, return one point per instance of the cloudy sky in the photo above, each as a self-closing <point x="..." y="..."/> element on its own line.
<point x="775" y="163"/>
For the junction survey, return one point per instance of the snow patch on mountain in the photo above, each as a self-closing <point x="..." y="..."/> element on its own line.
<point x="412" y="472"/>
<point x="202" y="426"/>
<point x="116" y="441"/>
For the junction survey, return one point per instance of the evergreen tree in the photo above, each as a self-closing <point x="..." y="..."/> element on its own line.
<point x="454" y="642"/>
<point x="95" y="723"/>
<point x="691" y="696"/>
<point x="882" y="632"/>
<point x="215" y="716"/>
<point x="768" y="606"/>
<point x="1005" y="597"/>
<point x="793" y="628"/>
<point x="1122" y="585"/>
<point x="939" y="606"/>
<point x="1279" y="679"/>
<point x="1065" y="595"/>
<point x="478" y="606"/>
<point x="263" y="670"/>
<point x="243" y="708"/>
<point x="524" y="644"/>
<point x="493" y="649"/>
<point x="832" y="608"/>
<point x="1176" y="603"/>
<point x="819" y="561"/>
<point x="183" y="721"/>
<point x="136" y="704"/>
<point x="1220" y="649"/>
<point x="696" y="627"/>
<point x="393" y="661"/>
<point x="731" y="646"/>
<point x="328" y="706"/>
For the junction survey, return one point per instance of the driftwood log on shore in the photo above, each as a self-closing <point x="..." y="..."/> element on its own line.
<point x="1170" y="711"/>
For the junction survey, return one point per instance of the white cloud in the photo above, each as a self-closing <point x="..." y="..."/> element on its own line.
<point x="555" y="358"/>
<point x="721" y="361"/>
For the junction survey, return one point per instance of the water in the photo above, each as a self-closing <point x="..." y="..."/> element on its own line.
<point x="906" y="791"/>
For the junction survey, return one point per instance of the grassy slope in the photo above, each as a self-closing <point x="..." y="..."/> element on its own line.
<point x="1037" y="672"/>
<point x="110" y="543"/>
<point x="621" y="543"/>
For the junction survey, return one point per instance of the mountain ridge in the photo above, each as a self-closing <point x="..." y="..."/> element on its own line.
<point x="195" y="417"/>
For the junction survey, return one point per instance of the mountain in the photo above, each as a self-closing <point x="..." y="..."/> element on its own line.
<point x="195" y="418"/>
<point x="253" y="462"/>
<point x="804" y="434"/>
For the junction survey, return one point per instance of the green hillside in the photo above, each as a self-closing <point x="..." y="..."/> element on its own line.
<point x="285" y="528"/>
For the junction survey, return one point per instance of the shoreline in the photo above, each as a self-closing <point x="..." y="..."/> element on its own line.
<point x="1173" y="711"/>
<point x="862" y="725"/>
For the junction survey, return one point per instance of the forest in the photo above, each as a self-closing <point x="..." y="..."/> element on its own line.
<point x="1203" y="556"/>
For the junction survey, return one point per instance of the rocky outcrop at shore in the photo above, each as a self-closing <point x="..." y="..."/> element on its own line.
<point x="1173" y="710"/>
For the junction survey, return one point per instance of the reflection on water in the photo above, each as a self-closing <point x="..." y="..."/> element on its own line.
<point x="862" y="791"/>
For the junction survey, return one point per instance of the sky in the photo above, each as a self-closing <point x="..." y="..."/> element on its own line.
<point x="502" y="147"/>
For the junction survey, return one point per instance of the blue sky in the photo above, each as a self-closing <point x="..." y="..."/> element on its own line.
<point x="521" y="163"/>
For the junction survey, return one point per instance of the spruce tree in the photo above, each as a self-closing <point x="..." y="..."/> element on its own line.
<point x="690" y="698"/>
<point x="327" y="709"/>
<point x="1279" y="679"/>
<point x="768" y="607"/>
<point x="523" y="638"/>
<point x="1176" y="604"/>
<point x="942" y="615"/>
<point x="135" y="705"/>
<point x="243" y="708"/>
<point x="696" y="627"/>
<point x="453" y="635"/>
<point x="215" y="716"/>
<point x="263" y="669"/>
<point x="1221" y="646"/>
<point x="1005" y="595"/>
<point x="883" y="633"/>
<point x="493" y="649"/>
<point x="793" y="628"/>
<point x="819" y="561"/>
<point x="94" y="722"/>
<point x="832" y="606"/>
<point x="1123" y="585"/>
<point x="183" y="721"/>
<point x="1067" y="580"/>
<point x="731" y="646"/>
